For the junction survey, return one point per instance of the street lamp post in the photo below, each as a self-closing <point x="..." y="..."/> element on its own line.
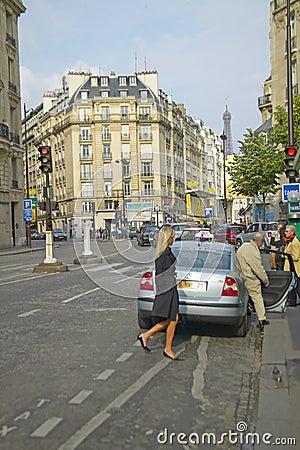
<point x="289" y="83"/>
<point x="28" y="228"/>
<point x="118" y="161"/>
<point x="157" y="209"/>
<point x="224" y="137"/>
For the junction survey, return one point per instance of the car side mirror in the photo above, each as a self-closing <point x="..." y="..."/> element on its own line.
<point x="178" y="238"/>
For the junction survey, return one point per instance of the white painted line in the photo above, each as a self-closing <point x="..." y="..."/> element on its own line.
<point x="29" y="313"/>
<point x="77" y="438"/>
<point x="80" y="295"/>
<point x="123" y="269"/>
<point x="137" y="276"/>
<point x="124" y="357"/>
<point x="46" y="427"/>
<point x="105" y="375"/>
<point x="79" y="398"/>
<point x="106" y="266"/>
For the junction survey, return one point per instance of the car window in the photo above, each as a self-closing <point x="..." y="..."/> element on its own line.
<point x="273" y="226"/>
<point x="202" y="259"/>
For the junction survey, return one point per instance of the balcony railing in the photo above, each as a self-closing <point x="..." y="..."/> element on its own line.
<point x="85" y="137"/>
<point x="12" y="87"/>
<point x="145" y="136"/>
<point x="10" y="39"/>
<point x="15" y="138"/>
<point x="125" y="136"/>
<point x="86" y="157"/>
<point x="106" y="137"/>
<point x="107" y="155"/>
<point x="264" y="100"/>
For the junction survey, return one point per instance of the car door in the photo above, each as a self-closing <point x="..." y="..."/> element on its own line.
<point x="277" y="293"/>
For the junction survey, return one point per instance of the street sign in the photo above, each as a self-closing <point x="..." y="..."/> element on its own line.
<point x="208" y="213"/>
<point x="287" y="188"/>
<point x="27" y="205"/>
<point x="294" y="207"/>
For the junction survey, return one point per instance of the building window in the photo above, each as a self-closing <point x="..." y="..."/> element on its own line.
<point x="86" y="171"/>
<point x="87" y="207"/>
<point x="107" y="189"/>
<point x="104" y="93"/>
<point x="85" y="134"/>
<point x="127" y="188"/>
<point x="104" y="81"/>
<point x="84" y="113"/>
<point x="132" y="81"/>
<point x="125" y="151"/>
<point x="84" y="95"/>
<point x="144" y="112"/>
<point x="85" y="152"/>
<point x="124" y="112"/>
<point x="123" y="93"/>
<point x="147" y="188"/>
<point x="147" y="169"/>
<point x="144" y="95"/>
<point x="107" y="173"/>
<point x="87" y="190"/>
<point x="145" y="132"/>
<point x="122" y="81"/>
<point x="126" y="169"/>
<point x="146" y="151"/>
<point x="105" y="112"/>
<point x="108" y="204"/>
<point x="105" y="132"/>
<point x="125" y="131"/>
<point x="94" y="81"/>
<point x="106" y="151"/>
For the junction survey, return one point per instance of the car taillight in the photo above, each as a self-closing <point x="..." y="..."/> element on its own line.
<point x="146" y="283"/>
<point x="230" y="288"/>
<point x="269" y="234"/>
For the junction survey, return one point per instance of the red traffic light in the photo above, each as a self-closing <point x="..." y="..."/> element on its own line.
<point x="45" y="159"/>
<point x="44" y="150"/>
<point x="291" y="151"/>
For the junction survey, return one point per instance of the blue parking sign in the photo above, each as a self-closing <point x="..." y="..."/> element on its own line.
<point x="208" y="213"/>
<point x="27" y="205"/>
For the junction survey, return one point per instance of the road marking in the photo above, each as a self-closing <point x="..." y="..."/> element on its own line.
<point x="46" y="427"/>
<point x="106" y="266"/>
<point x="105" y="375"/>
<point x="123" y="269"/>
<point x="79" y="398"/>
<point x="80" y="295"/>
<point x="137" y="276"/>
<point x="29" y="313"/>
<point x="79" y="436"/>
<point x="124" y="357"/>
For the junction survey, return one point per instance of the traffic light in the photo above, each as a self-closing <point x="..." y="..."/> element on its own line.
<point x="224" y="203"/>
<point x="290" y="154"/>
<point x="45" y="159"/>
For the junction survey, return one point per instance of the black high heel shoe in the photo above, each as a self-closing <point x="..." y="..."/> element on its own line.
<point x="177" y="358"/>
<point x="139" y="338"/>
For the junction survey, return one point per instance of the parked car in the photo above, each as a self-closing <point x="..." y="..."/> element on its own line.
<point x="211" y="288"/>
<point x="195" y="233"/>
<point x="177" y="227"/>
<point x="59" y="234"/>
<point x="144" y="233"/>
<point x="266" y="228"/>
<point x="228" y="232"/>
<point x="132" y="232"/>
<point x="41" y="235"/>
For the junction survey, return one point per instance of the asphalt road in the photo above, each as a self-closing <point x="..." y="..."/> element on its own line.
<point x="72" y="375"/>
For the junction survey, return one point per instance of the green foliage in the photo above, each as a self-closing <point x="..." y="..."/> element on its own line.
<point x="279" y="133"/>
<point x="255" y="170"/>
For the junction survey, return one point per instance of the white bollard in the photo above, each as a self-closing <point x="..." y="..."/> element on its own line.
<point x="86" y="240"/>
<point x="49" y="248"/>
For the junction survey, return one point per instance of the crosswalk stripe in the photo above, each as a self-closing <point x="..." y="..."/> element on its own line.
<point x="80" y="397"/>
<point x="124" y="357"/>
<point x="105" y="374"/>
<point x="46" y="427"/>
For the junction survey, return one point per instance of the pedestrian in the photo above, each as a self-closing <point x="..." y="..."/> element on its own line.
<point x="292" y="248"/>
<point x="100" y="233"/>
<point x="249" y="259"/>
<point x="278" y="243"/>
<point x="165" y="308"/>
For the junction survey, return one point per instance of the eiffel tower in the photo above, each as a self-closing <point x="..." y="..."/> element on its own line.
<point x="227" y="132"/>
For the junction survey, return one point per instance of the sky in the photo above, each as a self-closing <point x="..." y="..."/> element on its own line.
<point x="208" y="53"/>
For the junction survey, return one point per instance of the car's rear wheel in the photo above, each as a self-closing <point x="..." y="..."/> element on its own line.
<point x="144" y="322"/>
<point x="238" y="243"/>
<point x="241" y="329"/>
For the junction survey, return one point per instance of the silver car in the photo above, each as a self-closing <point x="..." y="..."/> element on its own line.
<point x="211" y="288"/>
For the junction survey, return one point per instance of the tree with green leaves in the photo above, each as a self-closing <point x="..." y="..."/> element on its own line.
<point x="255" y="170"/>
<point x="279" y="133"/>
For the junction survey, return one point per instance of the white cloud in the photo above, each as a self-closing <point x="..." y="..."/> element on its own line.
<point x="35" y="85"/>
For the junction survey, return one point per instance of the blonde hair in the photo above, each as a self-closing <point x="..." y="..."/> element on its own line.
<point x="163" y="238"/>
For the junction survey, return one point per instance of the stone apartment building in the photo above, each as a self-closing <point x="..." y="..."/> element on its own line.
<point x="12" y="230"/>
<point x="122" y="151"/>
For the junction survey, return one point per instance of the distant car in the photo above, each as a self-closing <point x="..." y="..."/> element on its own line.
<point x="59" y="234"/>
<point x="132" y="232"/>
<point x="41" y="235"/>
<point x="180" y="226"/>
<point x="228" y="232"/>
<point x="195" y="233"/>
<point x="266" y="228"/>
<point x="211" y="287"/>
<point x="144" y="233"/>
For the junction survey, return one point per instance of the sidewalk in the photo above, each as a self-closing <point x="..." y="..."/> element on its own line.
<point x="19" y="249"/>
<point x="279" y="402"/>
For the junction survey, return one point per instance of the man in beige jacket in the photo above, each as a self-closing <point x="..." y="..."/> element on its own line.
<point x="249" y="259"/>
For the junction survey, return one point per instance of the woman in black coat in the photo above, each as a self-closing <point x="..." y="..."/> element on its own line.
<point x="165" y="308"/>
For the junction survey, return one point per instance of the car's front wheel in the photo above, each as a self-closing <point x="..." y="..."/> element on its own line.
<point x="238" y="243"/>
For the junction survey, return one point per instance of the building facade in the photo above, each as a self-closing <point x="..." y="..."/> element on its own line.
<point x="122" y="152"/>
<point x="12" y="231"/>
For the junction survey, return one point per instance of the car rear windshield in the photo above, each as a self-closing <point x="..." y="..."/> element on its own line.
<point x="202" y="258"/>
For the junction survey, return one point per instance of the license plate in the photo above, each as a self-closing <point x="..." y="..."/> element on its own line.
<point x="187" y="284"/>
